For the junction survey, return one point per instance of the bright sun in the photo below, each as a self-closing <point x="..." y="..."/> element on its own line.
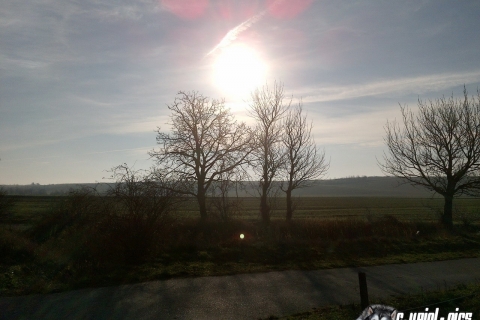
<point x="238" y="70"/>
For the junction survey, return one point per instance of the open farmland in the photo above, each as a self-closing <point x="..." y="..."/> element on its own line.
<point x="364" y="208"/>
<point x="28" y="209"/>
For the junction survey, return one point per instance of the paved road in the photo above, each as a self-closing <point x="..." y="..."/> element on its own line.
<point x="246" y="296"/>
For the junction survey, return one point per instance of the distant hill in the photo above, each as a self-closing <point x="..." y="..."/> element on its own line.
<point x="344" y="187"/>
<point x="365" y="187"/>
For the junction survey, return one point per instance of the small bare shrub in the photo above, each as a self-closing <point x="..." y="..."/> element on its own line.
<point x="80" y="208"/>
<point x="469" y="218"/>
<point x="222" y="204"/>
<point x="141" y="202"/>
<point x="121" y="226"/>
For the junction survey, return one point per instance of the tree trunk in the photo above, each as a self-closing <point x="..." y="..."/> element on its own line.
<point x="264" y="207"/>
<point x="447" y="218"/>
<point x="289" y="205"/>
<point x="202" y="205"/>
<point x="224" y="207"/>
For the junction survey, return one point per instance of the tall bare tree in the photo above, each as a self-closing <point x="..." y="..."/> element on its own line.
<point x="205" y="142"/>
<point x="268" y="108"/>
<point x="438" y="148"/>
<point x="304" y="162"/>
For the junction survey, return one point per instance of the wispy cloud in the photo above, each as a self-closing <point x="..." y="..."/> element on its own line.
<point x="365" y="129"/>
<point x="143" y="151"/>
<point x="233" y="33"/>
<point x="416" y="85"/>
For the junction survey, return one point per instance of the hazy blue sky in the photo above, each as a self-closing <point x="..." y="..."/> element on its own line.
<point x="84" y="84"/>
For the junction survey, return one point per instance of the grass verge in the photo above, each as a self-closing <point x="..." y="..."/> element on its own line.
<point x="464" y="297"/>
<point x="44" y="268"/>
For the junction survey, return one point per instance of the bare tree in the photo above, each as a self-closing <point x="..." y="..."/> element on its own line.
<point x="205" y="142"/>
<point x="304" y="162"/>
<point x="439" y="148"/>
<point x="268" y="108"/>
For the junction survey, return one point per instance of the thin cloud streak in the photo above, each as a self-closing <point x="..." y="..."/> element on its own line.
<point x="404" y="86"/>
<point x="80" y="154"/>
<point x="366" y="129"/>
<point x="233" y="33"/>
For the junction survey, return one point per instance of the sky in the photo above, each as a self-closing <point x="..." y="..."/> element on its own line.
<point x="84" y="85"/>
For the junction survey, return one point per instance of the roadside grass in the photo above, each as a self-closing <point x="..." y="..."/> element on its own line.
<point x="464" y="297"/>
<point x="66" y="249"/>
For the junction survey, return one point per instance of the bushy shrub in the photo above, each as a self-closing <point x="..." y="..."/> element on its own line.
<point x="82" y="207"/>
<point x="141" y="203"/>
<point x="14" y="247"/>
<point x="121" y="226"/>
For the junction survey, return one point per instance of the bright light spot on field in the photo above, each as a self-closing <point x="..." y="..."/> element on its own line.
<point x="242" y="236"/>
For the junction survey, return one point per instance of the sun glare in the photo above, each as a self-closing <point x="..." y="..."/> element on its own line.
<point x="238" y="70"/>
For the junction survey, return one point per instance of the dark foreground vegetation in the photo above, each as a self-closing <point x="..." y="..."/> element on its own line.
<point x="464" y="297"/>
<point x="55" y="244"/>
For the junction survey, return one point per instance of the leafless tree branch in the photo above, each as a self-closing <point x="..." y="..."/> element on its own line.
<point x="438" y="148"/>
<point x="205" y="142"/>
<point x="304" y="162"/>
<point x="267" y="108"/>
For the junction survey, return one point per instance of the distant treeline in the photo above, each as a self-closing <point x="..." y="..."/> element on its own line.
<point x="36" y="189"/>
<point x="344" y="187"/>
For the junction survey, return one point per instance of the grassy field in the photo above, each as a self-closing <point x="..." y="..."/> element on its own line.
<point x="28" y="209"/>
<point x="405" y="209"/>
<point x="50" y="244"/>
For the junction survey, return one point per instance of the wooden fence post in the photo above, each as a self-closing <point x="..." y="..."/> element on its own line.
<point x="362" y="280"/>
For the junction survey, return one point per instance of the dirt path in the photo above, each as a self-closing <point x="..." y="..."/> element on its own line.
<point x="245" y="296"/>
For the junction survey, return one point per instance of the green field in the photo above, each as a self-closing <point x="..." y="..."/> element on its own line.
<point x="28" y="209"/>
<point x="405" y="209"/>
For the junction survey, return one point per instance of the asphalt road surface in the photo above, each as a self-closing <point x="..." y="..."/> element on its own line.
<point x="244" y="296"/>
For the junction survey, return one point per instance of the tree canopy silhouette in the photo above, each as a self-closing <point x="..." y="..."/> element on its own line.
<point x="268" y="108"/>
<point x="303" y="162"/>
<point x="204" y="143"/>
<point x="438" y="148"/>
